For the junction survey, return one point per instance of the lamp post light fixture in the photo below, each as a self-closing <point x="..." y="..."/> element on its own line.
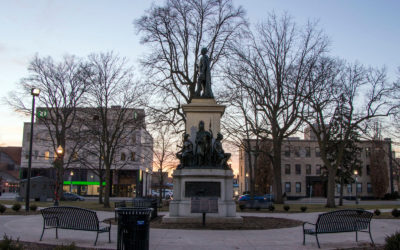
<point x="34" y="92"/>
<point x="355" y="172"/>
<point x="58" y="165"/>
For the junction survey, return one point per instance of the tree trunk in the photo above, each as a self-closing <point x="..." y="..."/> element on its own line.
<point x="101" y="188"/>
<point x="330" y="200"/>
<point x="341" y="192"/>
<point x="276" y="163"/>
<point x="160" y="189"/>
<point x="108" y="186"/>
<point x="249" y="179"/>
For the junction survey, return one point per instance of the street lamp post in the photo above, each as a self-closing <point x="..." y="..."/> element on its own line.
<point x="34" y="92"/>
<point x="247" y="182"/>
<point x="70" y="181"/>
<point x="356" y="174"/>
<point x="58" y="165"/>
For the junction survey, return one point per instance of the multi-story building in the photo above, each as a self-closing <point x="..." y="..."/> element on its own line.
<point x="131" y="169"/>
<point x="10" y="161"/>
<point x="302" y="170"/>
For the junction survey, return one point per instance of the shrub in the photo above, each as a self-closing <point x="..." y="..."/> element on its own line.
<point x="33" y="207"/>
<point x="303" y="208"/>
<point x="377" y="212"/>
<point x="2" y="208"/>
<point x="392" y="241"/>
<point x="9" y="244"/>
<point x="271" y="208"/>
<point x="391" y="196"/>
<point x="16" y="207"/>
<point x="286" y="207"/>
<point x="67" y="247"/>
<point x="395" y="212"/>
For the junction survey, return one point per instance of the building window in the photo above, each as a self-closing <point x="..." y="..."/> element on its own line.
<point x="308" y="151"/>
<point x="368" y="170"/>
<point x="26" y="157"/>
<point x="287" y="168"/>
<point x="367" y="152"/>
<point x="298" y="168"/>
<point x="338" y="188"/>
<point x="369" y="188"/>
<point x="349" y="188"/>
<point x="318" y="169"/>
<point x="317" y="152"/>
<point x="133" y="156"/>
<point x="359" y="187"/>
<point x="134" y="139"/>
<point x="298" y="187"/>
<point x="36" y="154"/>
<point x="288" y="187"/>
<point x="287" y="151"/>
<point x="46" y="155"/>
<point x="297" y="151"/>
<point x="308" y="169"/>
<point x="75" y="156"/>
<point x="123" y="157"/>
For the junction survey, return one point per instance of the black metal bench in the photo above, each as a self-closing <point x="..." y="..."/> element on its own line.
<point x="74" y="218"/>
<point x="340" y="221"/>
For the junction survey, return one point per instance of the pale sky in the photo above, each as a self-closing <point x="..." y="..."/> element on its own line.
<point x="366" y="31"/>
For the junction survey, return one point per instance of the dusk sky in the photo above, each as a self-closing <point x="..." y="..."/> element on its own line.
<point x="366" y="31"/>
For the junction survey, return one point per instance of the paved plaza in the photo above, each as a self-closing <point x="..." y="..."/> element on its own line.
<point x="29" y="228"/>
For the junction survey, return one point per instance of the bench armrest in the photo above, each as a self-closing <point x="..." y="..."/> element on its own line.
<point x="304" y="223"/>
<point x="50" y="219"/>
<point x="106" y="222"/>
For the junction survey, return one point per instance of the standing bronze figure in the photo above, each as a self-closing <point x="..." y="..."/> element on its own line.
<point x="204" y="79"/>
<point x="203" y="146"/>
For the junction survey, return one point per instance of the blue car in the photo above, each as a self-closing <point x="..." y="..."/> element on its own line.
<point x="246" y="197"/>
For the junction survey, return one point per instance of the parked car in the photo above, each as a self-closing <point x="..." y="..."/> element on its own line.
<point x="246" y="197"/>
<point x="73" y="197"/>
<point x="269" y="197"/>
<point x="258" y="202"/>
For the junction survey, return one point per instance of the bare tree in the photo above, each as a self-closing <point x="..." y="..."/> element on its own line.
<point x="63" y="86"/>
<point x="242" y="126"/>
<point x="176" y="32"/>
<point x="114" y="97"/>
<point x="164" y="158"/>
<point x="274" y="67"/>
<point x="352" y="94"/>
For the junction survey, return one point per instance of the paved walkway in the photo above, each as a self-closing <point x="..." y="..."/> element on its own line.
<point x="29" y="228"/>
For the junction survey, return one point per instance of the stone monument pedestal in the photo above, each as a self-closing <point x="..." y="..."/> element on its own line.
<point x="203" y="174"/>
<point x="202" y="182"/>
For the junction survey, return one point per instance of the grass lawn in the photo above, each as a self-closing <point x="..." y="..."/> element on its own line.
<point x="295" y="208"/>
<point x="92" y="205"/>
<point x="386" y="215"/>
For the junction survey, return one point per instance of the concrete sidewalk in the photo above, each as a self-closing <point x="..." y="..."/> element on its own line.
<point x="29" y="228"/>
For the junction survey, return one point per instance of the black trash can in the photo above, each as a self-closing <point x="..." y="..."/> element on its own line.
<point x="133" y="228"/>
<point x="146" y="203"/>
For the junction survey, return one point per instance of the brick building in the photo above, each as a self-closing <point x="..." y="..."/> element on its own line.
<point x="302" y="170"/>
<point x="130" y="172"/>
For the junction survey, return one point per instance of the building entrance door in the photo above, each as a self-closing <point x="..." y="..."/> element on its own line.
<point x="318" y="188"/>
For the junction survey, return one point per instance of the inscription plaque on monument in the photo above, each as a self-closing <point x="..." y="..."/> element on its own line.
<point x="202" y="189"/>
<point x="204" y="205"/>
